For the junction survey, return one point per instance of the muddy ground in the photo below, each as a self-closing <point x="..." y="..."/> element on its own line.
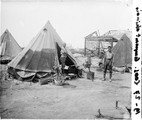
<point x="80" y="100"/>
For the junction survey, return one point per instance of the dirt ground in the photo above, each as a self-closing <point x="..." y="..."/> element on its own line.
<point x="80" y="100"/>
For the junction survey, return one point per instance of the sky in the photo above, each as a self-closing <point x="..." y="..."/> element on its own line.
<point x="72" y="19"/>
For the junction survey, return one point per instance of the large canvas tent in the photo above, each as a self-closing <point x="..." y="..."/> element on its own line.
<point x="9" y="48"/>
<point x="41" y="55"/>
<point x="122" y="52"/>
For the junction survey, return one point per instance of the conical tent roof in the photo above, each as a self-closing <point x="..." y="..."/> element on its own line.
<point x="122" y="52"/>
<point x="8" y="46"/>
<point x="42" y="53"/>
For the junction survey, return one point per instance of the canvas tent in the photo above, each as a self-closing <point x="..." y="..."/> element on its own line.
<point x="41" y="55"/>
<point x="9" y="48"/>
<point x="122" y="52"/>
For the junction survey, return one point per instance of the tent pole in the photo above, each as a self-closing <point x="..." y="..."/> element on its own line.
<point x="85" y="48"/>
<point x="112" y="43"/>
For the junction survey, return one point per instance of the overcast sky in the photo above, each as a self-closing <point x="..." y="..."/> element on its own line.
<point x="72" y="19"/>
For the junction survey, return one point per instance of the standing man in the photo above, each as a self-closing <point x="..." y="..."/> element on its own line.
<point x="63" y="57"/>
<point x="108" y="59"/>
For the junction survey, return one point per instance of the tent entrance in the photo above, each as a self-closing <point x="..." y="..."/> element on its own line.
<point x="71" y="66"/>
<point x="68" y="62"/>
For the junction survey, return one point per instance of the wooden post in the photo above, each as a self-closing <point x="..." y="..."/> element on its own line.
<point x="99" y="48"/>
<point x="112" y="43"/>
<point x="116" y="104"/>
<point x="85" y="48"/>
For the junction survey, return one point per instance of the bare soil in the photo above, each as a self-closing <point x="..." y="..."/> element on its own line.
<point x="80" y="100"/>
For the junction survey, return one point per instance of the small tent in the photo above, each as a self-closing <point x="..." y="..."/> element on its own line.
<point x="122" y="52"/>
<point x="41" y="55"/>
<point x="9" y="48"/>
